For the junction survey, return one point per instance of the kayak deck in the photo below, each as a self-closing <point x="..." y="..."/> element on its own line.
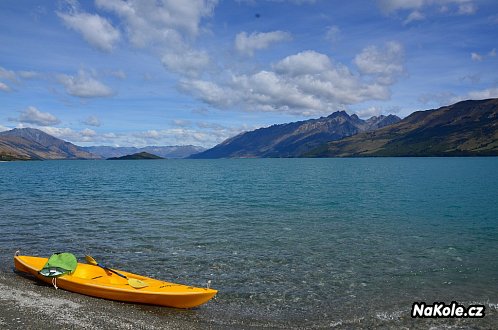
<point x="95" y="281"/>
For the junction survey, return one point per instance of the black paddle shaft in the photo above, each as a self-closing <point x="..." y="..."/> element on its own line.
<point x="112" y="271"/>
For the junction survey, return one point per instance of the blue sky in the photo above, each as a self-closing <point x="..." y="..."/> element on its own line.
<point x="177" y="72"/>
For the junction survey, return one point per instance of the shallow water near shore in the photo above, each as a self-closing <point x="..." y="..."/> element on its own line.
<point x="287" y="242"/>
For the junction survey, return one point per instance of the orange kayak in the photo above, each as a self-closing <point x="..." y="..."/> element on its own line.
<point x="96" y="282"/>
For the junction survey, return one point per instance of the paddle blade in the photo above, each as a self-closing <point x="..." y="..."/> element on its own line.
<point x="91" y="261"/>
<point x="137" y="284"/>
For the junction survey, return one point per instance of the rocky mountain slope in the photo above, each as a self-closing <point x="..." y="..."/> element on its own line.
<point x="467" y="128"/>
<point x="33" y="144"/>
<point x="294" y="139"/>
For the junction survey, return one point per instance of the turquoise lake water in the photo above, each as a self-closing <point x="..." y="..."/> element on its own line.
<point x="287" y="242"/>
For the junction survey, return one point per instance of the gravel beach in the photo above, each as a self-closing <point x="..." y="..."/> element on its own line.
<point x="26" y="303"/>
<point x="29" y="304"/>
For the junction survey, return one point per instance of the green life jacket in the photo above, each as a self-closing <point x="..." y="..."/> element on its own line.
<point x="59" y="264"/>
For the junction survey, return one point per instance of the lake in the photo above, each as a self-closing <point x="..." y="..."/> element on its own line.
<point x="287" y="242"/>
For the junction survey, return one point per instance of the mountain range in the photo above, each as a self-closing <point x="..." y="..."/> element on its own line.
<point x="161" y="151"/>
<point x="294" y="139"/>
<point x="467" y="128"/>
<point x="33" y="144"/>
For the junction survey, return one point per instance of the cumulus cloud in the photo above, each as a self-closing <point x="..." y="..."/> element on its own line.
<point x="369" y="112"/>
<point x="248" y="44"/>
<point x="206" y="134"/>
<point x="307" y="62"/>
<point x="159" y="21"/>
<point x="4" y="87"/>
<point x="74" y="136"/>
<point x="34" y="116"/>
<point x="189" y="62"/>
<point x="307" y="83"/>
<point x="84" y="85"/>
<point x="95" y="29"/>
<point x="419" y="8"/>
<point x="208" y="91"/>
<point x="92" y="121"/>
<point x="386" y="63"/>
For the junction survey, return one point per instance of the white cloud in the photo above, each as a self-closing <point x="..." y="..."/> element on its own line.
<point x="307" y="62"/>
<point x="34" y="116"/>
<point x="389" y="6"/>
<point x="84" y="85"/>
<point x="14" y="77"/>
<point x="247" y="44"/>
<point x="4" y="87"/>
<point x="182" y="123"/>
<point x="28" y="74"/>
<point x="67" y="134"/>
<point x="120" y="74"/>
<point x="92" y="121"/>
<point x="307" y="83"/>
<point x="297" y="2"/>
<point x="439" y="98"/>
<point x="189" y="62"/>
<point x="88" y="133"/>
<point x="63" y="133"/>
<point x="8" y="74"/>
<point x="414" y="16"/>
<point x="488" y="93"/>
<point x="333" y="33"/>
<point x="483" y="94"/>
<point x="467" y="9"/>
<point x="476" y="57"/>
<point x="4" y="128"/>
<point x="208" y="91"/>
<point x="200" y="133"/>
<point x="386" y="63"/>
<point x="369" y="112"/>
<point x="95" y="29"/>
<point x="492" y="53"/>
<point x="419" y="9"/>
<point x="159" y="21"/>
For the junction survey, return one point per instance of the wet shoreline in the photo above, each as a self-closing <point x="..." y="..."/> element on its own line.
<point x="29" y="304"/>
